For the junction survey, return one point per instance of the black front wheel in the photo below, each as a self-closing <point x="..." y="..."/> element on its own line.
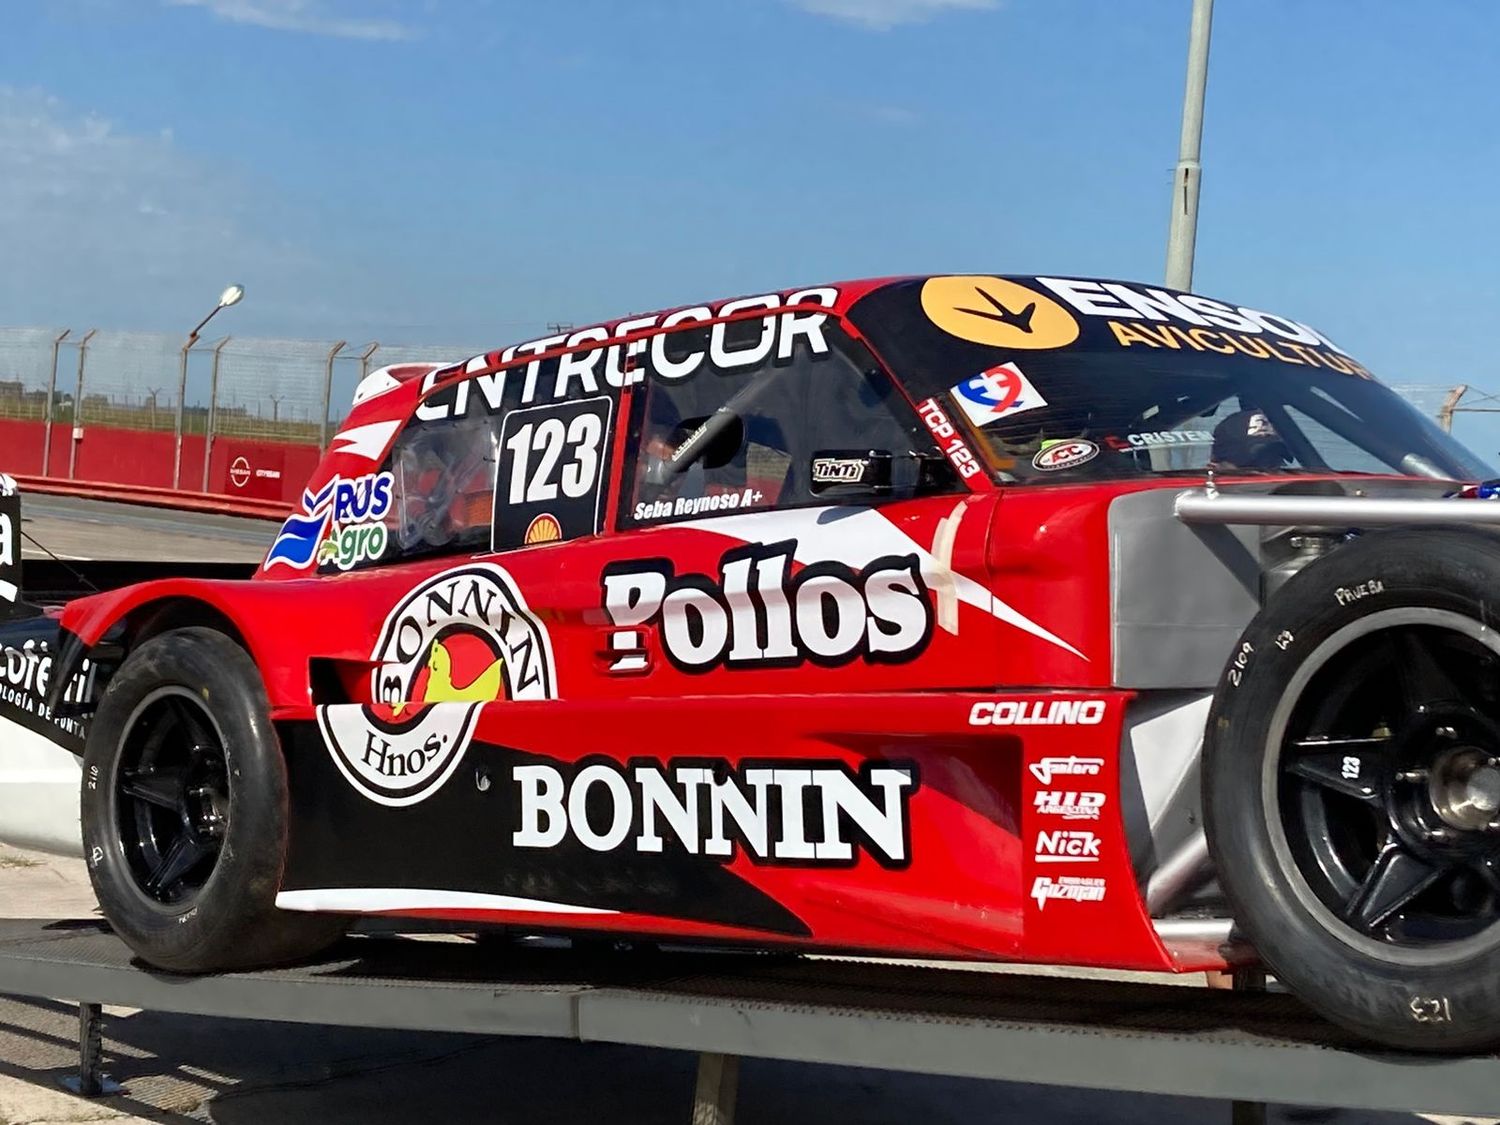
<point x="184" y="810"/>
<point x="1352" y="787"/>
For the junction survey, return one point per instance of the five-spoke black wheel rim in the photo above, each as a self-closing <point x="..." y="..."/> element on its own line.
<point x="1384" y="787"/>
<point x="171" y="789"/>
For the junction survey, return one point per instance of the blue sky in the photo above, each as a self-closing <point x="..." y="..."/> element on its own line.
<point x="467" y="170"/>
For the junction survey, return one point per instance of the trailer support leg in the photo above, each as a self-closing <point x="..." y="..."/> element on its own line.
<point x="1248" y="1113"/>
<point x="91" y="1081"/>
<point x="718" y="1085"/>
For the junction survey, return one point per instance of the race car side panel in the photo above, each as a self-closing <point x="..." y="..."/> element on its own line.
<point x="39" y="750"/>
<point x="926" y="824"/>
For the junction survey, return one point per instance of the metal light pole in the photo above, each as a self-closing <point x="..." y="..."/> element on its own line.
<point x="1182" y="236"/>
<point x="231" y="296"/>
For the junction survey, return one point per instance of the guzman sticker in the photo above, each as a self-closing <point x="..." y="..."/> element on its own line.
<point x="1065" y="455"/>
<point x="997" y="393"/>
<point x="998" y="313"/>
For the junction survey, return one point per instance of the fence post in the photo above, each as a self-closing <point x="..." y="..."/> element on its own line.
<point x="47" y="410"/>
<point x="177" y="424"/>
<point x="328" y="392"/>
<point x="364" y="359"/>
<point x="213" y="409"/>
<point x="83" y="347"/>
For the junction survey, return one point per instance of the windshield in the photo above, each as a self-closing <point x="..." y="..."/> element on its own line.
<point x="1119" y="398"/>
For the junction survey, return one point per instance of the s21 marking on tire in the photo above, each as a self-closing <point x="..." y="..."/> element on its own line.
<point x="1347" y="595"/>
<point x="1241" y="662"/>
<point x="1431" y="1009"/>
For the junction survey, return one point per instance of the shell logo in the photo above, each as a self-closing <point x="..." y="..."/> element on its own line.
<point x="543" y="529"/>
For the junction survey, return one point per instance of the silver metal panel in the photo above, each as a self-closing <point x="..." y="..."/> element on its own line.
<point x="1180" y="596"/>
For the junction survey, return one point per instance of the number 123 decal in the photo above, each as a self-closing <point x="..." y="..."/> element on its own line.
<point x="552" y="463"/>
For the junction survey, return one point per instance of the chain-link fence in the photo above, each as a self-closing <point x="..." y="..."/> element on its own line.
<point x="164" y="406"/>
<point x="206" y="416"/>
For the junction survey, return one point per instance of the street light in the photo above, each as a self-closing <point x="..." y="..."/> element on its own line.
<point x="1182" y="237"/>
<point x="230" y="297"/>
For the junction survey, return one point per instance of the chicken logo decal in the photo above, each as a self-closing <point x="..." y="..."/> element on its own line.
<point x="461" y="639"/>
<point x="463" y="666"/>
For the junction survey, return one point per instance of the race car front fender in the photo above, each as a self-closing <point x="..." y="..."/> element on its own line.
<point x="105" y="626"/>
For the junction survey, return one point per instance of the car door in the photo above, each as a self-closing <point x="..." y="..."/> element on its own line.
<point x="787" y="525"/>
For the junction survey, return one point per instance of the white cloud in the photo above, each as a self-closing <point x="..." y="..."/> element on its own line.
<point x="311" y="17"/>
<point x="882" y="15"/>
<point x="123" y="227"/>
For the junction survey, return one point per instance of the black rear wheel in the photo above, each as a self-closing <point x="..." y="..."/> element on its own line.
<point x="172" y="795"/>
<point x="1352" y="787"/>
<point x="184" y="810"/>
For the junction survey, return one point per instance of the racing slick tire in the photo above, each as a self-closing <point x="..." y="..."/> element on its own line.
<point x="1351" y="774"/>
<point x="185" y="811"/>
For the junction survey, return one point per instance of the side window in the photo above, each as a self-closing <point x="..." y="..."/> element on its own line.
<point x="443" y="487"/>
<point x="710" y="436"/>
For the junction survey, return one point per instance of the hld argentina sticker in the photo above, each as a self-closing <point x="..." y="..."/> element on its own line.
<point x="459" y="640"/>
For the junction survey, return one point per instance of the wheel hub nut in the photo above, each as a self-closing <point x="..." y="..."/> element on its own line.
<point x="1465" y="790"/>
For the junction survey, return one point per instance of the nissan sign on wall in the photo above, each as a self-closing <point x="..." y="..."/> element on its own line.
<point x="251" y="470"/>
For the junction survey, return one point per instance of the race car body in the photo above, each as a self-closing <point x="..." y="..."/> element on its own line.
<point x="859" y="617"/>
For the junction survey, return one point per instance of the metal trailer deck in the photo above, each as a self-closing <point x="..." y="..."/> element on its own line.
<point x="974" y="1023"/>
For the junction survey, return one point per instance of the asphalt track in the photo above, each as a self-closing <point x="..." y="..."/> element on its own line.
<point x="73" y="528"/>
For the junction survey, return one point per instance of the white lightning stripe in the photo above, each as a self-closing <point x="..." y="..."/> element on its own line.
<point x="943" y="584"/>
<point x="854" y="536"/>
<point x="366" y="441"/>
<point x="369" y="900"/>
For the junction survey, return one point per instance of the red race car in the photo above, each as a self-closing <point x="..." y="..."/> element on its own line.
<point x="1011" y="618"/>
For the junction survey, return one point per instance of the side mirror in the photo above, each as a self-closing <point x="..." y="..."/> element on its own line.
<point x="851" y="471"/>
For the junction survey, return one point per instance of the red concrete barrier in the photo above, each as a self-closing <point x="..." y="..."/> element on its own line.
<point x="154" y="497"/>
<point x="245" y="476"/>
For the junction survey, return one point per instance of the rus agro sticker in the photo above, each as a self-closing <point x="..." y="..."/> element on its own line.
<point x="1065" y="455"/>
<point x="998" y="393"/>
